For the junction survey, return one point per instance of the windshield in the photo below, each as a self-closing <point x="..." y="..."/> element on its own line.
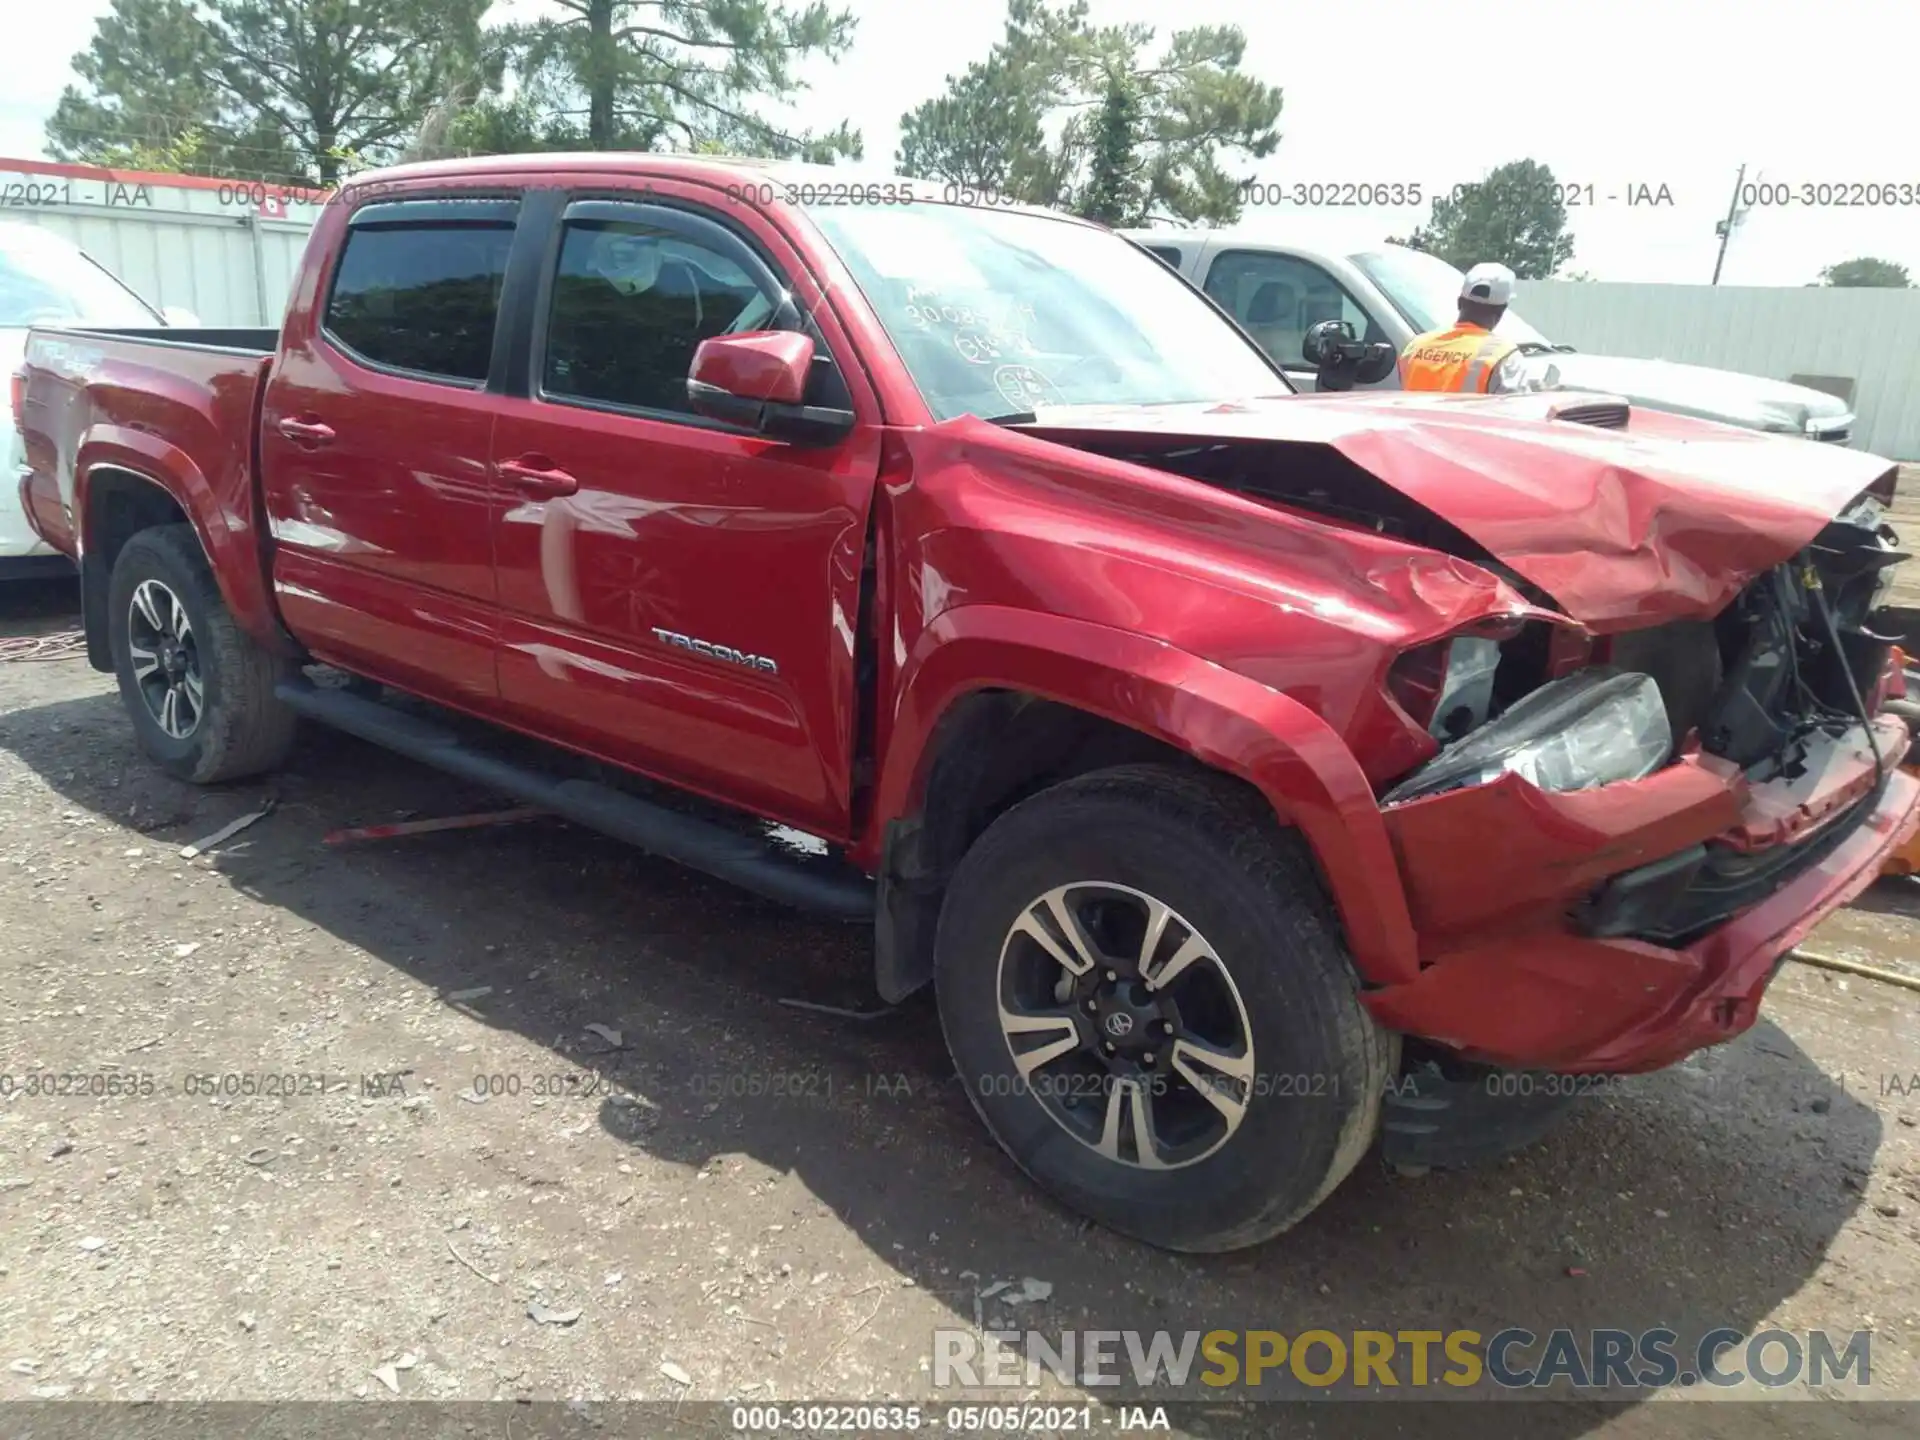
<point x="45" y="281"/>
<point x="996" y="312"/>
<point x="1426" y="291"/>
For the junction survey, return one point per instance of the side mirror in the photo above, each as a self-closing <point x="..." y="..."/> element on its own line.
<point x="1343" y="361"/>
<point x="758" y="380"/>
<point x="1323" y="340"/>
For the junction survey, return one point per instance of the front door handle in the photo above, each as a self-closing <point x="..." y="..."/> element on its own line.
<point x="536" y="476"/>
<point x="306" y="432"/>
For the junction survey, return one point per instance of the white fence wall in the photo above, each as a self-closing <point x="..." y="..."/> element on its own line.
<point x="1872" y="336"/>
<point x="225" y="251"/>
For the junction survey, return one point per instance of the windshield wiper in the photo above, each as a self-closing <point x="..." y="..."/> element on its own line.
<point x="1014" y="417"/>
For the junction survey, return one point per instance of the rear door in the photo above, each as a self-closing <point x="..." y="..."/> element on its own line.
<point x="633" y="529"/>
<point x="375" y="448"/>
<point x="1278" y="297"/>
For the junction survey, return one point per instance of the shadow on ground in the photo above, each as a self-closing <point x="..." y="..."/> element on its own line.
<point x="39" y="607"/>
<point x="1693" y="1199"/>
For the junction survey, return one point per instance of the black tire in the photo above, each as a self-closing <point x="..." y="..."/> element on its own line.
<point x="240" y="727"/>
<point x="1212" y="851"/>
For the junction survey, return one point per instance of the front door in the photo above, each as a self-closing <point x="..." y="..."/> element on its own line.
<point x="375" y="449"/>
<point x="678" y="595"/>
<point x="1277" y="298"/>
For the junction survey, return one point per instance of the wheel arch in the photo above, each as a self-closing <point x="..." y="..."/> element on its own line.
<point x="117" y="502"/>
<point x="127" y="481"/>
<point x="995" y="704"/>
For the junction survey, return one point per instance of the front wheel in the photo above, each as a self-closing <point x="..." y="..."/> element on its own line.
<point x="1143" y="989"/>
<point x="199" y="688"/>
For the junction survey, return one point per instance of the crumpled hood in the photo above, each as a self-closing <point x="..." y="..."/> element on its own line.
<point x="1667" y="519"/>
<point x="1699" y="390"/>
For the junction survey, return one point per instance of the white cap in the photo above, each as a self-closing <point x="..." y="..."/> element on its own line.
<point x="1489" y="282"/>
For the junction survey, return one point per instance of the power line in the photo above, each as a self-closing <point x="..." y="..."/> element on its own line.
<point x="1725" y="228"/>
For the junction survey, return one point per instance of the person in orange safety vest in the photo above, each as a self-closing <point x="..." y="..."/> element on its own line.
<point x="1468" y="357"/>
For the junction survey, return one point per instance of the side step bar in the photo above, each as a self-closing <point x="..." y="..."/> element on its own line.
<point x="842" y="894"/>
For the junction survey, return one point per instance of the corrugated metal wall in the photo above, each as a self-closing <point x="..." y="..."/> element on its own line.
<point x="1872" y="336"/>
<point x="227" y="253"/>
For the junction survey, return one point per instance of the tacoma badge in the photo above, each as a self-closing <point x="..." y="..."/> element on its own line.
<point x="717" y="652"/>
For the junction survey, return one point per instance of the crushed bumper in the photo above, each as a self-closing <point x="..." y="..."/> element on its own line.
<point x="1497" y="883"/>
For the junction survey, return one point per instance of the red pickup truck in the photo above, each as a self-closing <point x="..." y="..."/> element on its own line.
<point x="1252" y="774"/>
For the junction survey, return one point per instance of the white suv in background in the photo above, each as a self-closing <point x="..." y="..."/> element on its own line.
<point x="45" y="279"/>
<point x="1279" y="289"/>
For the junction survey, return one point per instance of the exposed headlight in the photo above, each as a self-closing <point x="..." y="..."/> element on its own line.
<point x="1447" y="686"/>
<point x="1591" y="728"/>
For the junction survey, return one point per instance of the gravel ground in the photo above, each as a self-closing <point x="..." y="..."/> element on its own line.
<point x="664" y="1226"/>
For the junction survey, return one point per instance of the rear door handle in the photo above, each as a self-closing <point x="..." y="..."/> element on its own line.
<point x="306" y="432"/>
<point x="535" y="475"/>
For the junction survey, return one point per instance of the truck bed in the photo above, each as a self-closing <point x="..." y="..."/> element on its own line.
<point x="175" y="406"/>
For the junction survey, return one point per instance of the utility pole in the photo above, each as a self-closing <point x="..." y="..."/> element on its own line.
<point x="1724" y="229"/>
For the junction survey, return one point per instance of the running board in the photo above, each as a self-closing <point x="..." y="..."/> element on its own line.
<point x="842" y="894"/>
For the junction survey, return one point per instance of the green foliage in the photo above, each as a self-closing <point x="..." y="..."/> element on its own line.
<point x="1061" y="112"/>
<point x="1867" y="272"/>
<point x="148" y="101"/>
<point x="267" y="89"/>
<point x="1115" y="192"/>
<point x="1514" y="215"/>
<point x="665" y="75"/>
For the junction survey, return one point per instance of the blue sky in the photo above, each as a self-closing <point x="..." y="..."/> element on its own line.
<point x="1636" y="92"/>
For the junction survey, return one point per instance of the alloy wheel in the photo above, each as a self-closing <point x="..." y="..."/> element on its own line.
<point x="1125" y="1025"/>
<point x="166" y="659"/>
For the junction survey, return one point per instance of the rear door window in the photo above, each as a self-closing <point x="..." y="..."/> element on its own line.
<point x="422" y="296"/>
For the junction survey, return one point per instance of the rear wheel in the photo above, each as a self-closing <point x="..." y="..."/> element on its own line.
<point x="1143" y="990"/>
<point x="199" y="689"/>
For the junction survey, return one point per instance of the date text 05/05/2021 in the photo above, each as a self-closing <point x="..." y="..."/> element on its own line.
<point x="1371" y="194"/>
<point x="964" y="1418"/>
<point x="290" y="1083"/>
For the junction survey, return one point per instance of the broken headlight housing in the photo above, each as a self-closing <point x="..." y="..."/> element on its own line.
<point x="1594" y="727"/>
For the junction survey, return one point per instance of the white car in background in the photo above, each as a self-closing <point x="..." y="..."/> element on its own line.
<point x="45" y="279"/>
<point x="1278" y="289"/>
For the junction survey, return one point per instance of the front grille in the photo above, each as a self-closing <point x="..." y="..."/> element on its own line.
<point x="1675" y="901"/>
<point x="1833" y="437"/>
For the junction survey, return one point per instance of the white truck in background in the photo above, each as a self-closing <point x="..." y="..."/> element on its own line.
<point x="1279" y="288"/>
<point x="46" y="280"/>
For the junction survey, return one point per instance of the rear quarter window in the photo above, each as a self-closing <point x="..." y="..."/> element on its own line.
<point x="421" y="297"/>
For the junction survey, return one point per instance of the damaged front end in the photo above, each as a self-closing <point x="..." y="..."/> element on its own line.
<point x="1621" y="835"/>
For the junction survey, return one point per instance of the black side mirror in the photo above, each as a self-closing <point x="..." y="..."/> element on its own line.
<point x="1344" y="361"/>
<point x="1322" y="341"/>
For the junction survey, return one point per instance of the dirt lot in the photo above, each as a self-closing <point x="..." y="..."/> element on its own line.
<point x="717" y="1241"/>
